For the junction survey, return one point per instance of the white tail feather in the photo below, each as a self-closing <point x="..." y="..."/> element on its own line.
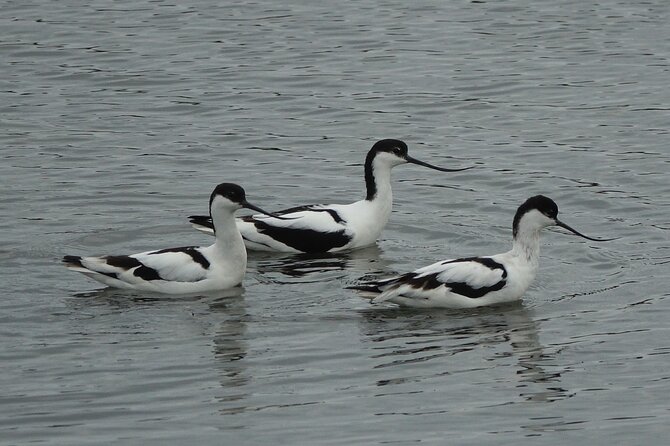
<point x="386" y="295"/>
<point x="204" y="229"/>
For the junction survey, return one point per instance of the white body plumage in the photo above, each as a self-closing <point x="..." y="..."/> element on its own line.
<point x="476" y="281"/>
<point x="185" y="269"/>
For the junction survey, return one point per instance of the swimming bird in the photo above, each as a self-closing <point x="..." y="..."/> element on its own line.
<point x="476" y="281"/>
<point x="185" y="269"/>
<point x="322" y="228"/>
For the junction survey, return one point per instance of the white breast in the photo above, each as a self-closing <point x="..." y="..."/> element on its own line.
<point x="365" y="220"/>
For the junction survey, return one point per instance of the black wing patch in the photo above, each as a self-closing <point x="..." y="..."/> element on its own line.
<point x="430" y="281"/>
<point x="146" y="273"/>
<point x="123" y="262"/>
<point x="191" y="251"/>
<point x="126" y="262"/>
<point x="76" y="261"/>
<point x="305" y="240"/>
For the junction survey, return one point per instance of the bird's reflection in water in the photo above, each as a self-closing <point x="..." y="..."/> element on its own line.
<point x="230" y="348"/>
<point x="217" y="315"/>
<point x="296" y="267"/>
<point x="535" y="382"/>
<point x="497" y="334"/>
<point x="126" y="299"/>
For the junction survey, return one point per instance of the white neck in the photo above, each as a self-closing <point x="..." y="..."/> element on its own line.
<point x="228" y="237"/>
<point x="526" y="245"/>
<point x="381" y="173"/>
<point x="382" y="200"/>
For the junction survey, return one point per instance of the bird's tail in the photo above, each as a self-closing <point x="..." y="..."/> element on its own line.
<point x="367" y="287"/>
<point x="202" y="223"/>
<point x="73" y="262"/>
<point x="367" y="290"/>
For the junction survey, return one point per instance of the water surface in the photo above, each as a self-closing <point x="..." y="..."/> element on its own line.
<point x="119" y="118"/>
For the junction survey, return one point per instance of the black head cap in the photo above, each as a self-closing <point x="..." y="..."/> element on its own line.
<point x="539" y="202"/>
<point x="394" y="146"/>
<point x="231" y="191"/>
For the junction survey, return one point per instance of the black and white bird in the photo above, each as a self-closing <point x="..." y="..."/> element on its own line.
<point x="321" y="228"/>
<point x="185" y="269"/>
<point x="476" y="281"/>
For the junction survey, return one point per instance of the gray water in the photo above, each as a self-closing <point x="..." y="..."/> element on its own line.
<point x="118" y="118"/>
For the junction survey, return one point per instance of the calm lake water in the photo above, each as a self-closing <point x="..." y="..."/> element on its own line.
<point x="118" y="118"/>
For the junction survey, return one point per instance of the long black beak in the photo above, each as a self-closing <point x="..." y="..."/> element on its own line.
<point x="248" y="205"/>
<point x="563" y="225"/>
<point x="443" y="169"/>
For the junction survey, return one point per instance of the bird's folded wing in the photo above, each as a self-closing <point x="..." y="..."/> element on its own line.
<point x="186" y="264"/>
<point x="319" y="218"/>
<point x="468" y="277"/>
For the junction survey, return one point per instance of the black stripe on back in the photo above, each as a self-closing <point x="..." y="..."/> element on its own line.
<point x="206" y="220"/>
<point x="191" y="251"/>
<point x="430" y="281"/>
<point x="337" y="218"/>
<point x="333" y="213"/>
<point x="486" y="261"/>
